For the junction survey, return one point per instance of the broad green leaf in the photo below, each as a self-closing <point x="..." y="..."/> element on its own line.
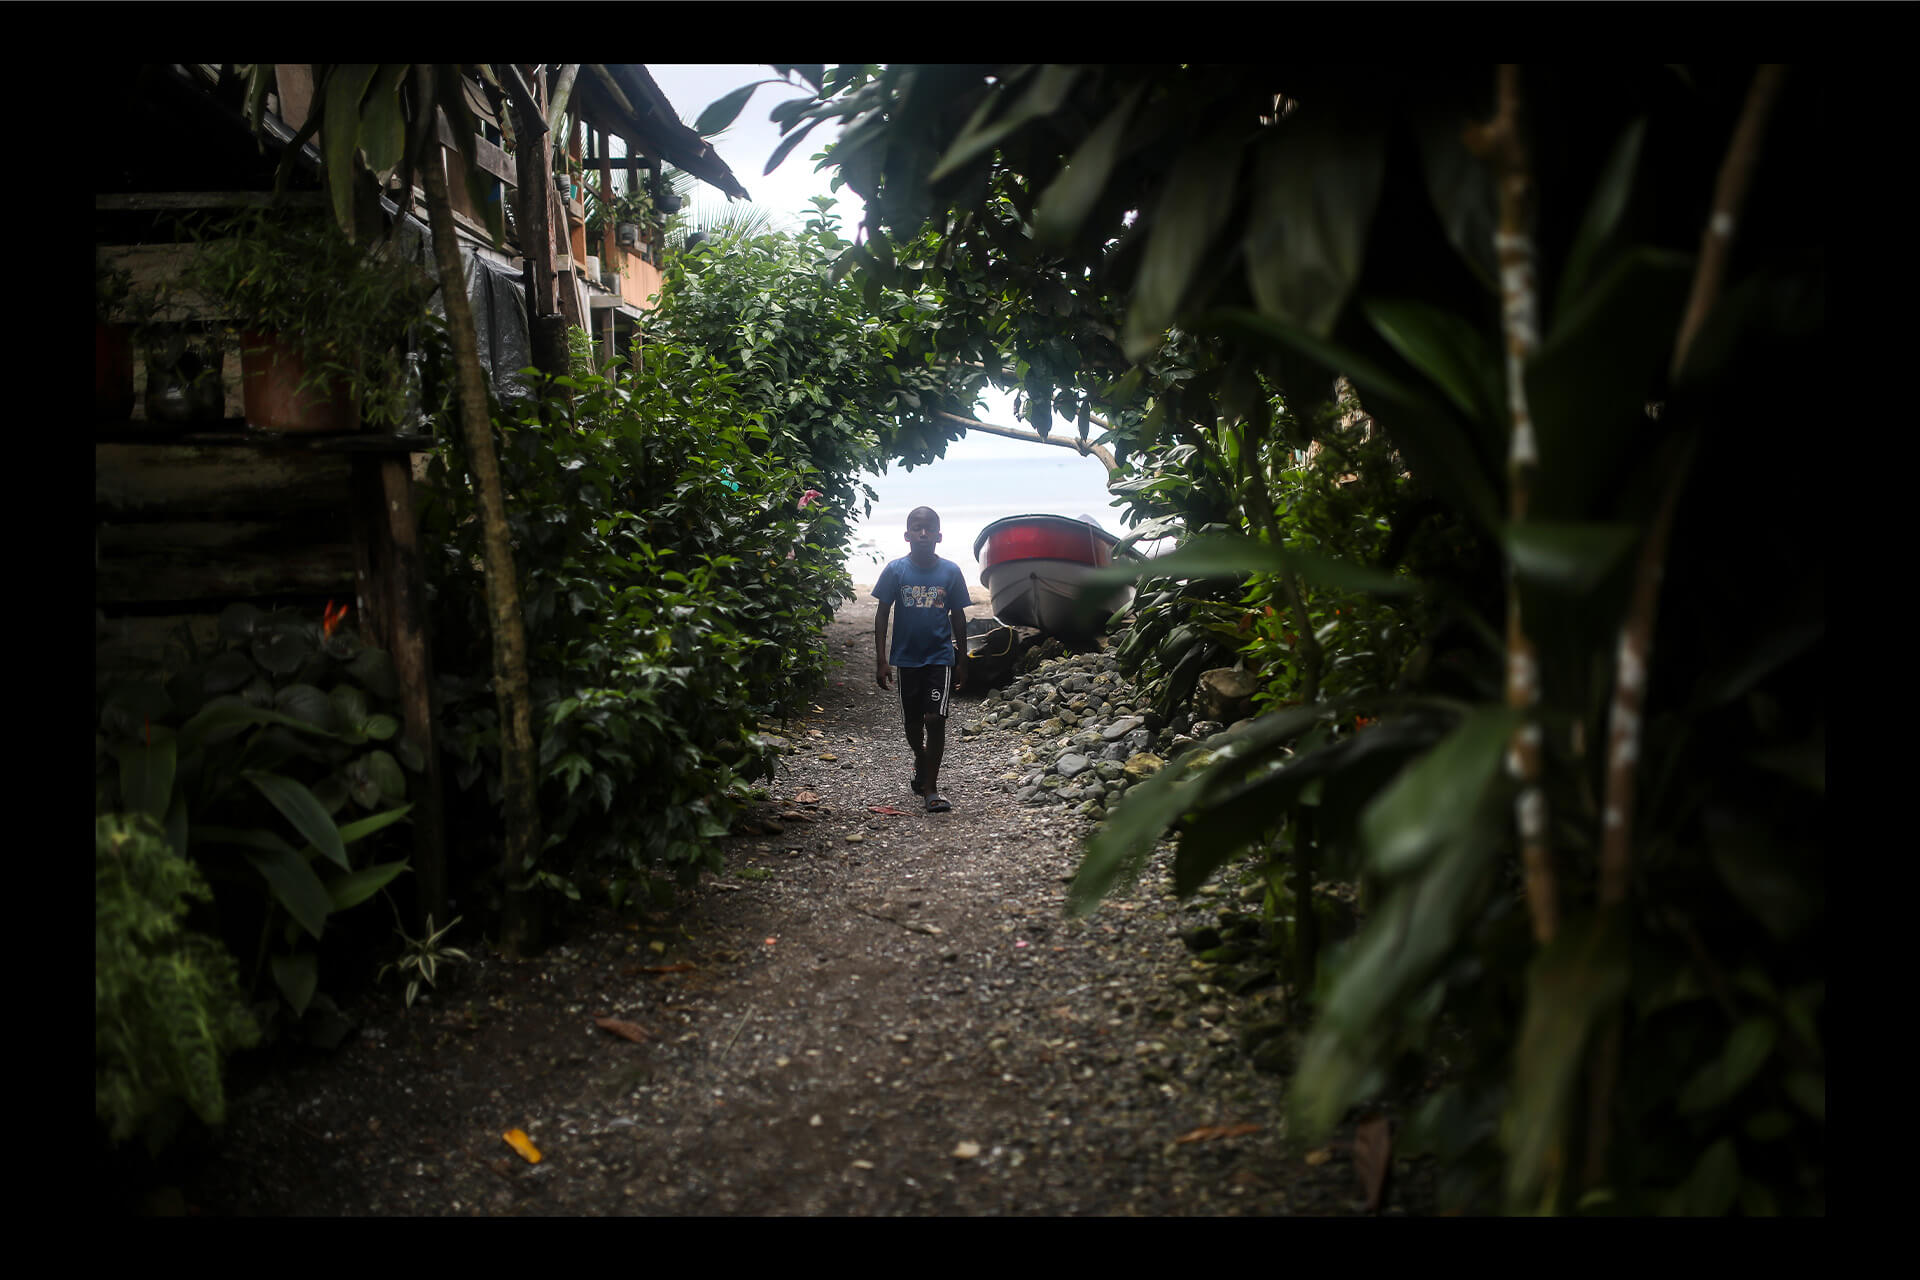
<point x="386" y="774"/>
<point x="1397" y="953"/>
<point x="380" y="728"/>
<point x="1193" y="209"/>
<point x="1460" y="185"/>
<point x="298" y="806"/>
<point x="1045" y="94"/>
<point x="1063" y="207"/>
<point x="311" y="706"/>
<point x="293" y="882"/>
<point x="1150" y="807"/>
<point x="146" y="777"/>
<point x="721" y="113"/>
<point x="1232" y="556"/>
<point x="1589" y="384"/>
<point x="355" y="887"/>
<point x="1715" y="1084"/>
<point x="1319" y="182"/>
<point x="1808" y="1089"/>
<point x="1576" y="981"/>
<point x="350" y="705"/>
<point x="1448" y="350"/>
<point x="361" y="828"/>
<point x="1567" y="557"/>
<point x="1603" y="215"/>
<point x="787" y="144"/>
<point x="297" y="976"/>
<point x="1424" y="428"/>
<point x="340" y="138"/>
<point x="1434" y="799"/>
<point x="226" y="716"/>
<point x="382" y="124"/>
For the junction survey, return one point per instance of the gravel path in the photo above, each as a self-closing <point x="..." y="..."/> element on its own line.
<point x="870" y="1014"/>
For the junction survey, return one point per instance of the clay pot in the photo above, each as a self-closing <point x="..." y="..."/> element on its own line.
<point x="270" y="376"/>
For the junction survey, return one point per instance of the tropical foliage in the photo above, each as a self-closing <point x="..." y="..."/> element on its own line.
<point x="167" y="1003"/>
<point x="1583" y="783"/>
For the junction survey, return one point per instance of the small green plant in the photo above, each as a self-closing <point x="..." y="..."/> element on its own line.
<point x="167" y="1004"/>
<point x="352" y="312"/>
<point x="421" y="957"/>
<point x="282" y="730"/>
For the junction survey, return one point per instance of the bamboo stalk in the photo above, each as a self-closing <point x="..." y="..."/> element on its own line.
<point x="1634" y="653"/>
<point x="505" y="617"/>
<point x="1499" y="141"/>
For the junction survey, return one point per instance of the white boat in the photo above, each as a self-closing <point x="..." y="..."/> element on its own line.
<point x="1033" y="565"/>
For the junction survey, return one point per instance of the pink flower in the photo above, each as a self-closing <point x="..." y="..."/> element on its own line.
<point x="808" y="497"/>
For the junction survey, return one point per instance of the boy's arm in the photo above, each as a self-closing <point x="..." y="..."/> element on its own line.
<point x="957" y="619"/>
<point x="882" y="670"/>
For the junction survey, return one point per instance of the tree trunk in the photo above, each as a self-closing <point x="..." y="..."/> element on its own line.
<point x="506" y="620"/>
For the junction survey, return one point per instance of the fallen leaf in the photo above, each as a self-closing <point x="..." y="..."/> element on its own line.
<point x="625" y="1030"/>
<point x="966" y="1151"/>
<point x="807" y="797"/>
<point x="829" y="759"/>
<point x="1321" y="1156"/>
<point x="518" y="1140"/>
<point x="1373" y="1157"/>
<point x="1211" y="1132"/>
<point x="890" y="812"/>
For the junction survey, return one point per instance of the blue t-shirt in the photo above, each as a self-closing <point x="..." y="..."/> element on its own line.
<point x="922" y="631"/>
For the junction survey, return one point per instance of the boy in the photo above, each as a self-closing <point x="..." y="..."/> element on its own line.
<point x="929" y="595"/>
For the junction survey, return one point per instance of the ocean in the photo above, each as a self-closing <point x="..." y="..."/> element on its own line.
<point x="970" y="493"/>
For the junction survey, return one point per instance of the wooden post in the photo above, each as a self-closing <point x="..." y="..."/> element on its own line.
<point x="392" y="590"/>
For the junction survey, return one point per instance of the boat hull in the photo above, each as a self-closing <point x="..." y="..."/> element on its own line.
<point x="1033" y="567"/>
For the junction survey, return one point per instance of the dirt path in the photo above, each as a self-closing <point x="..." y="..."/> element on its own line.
<point x="869" y="1015"/>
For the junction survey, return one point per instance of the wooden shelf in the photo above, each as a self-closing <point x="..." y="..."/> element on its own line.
<point x="237" y="435"/>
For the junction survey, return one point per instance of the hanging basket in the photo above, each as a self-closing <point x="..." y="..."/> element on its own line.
<point x="271" y="373"/>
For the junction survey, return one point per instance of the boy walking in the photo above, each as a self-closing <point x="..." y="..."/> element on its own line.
<point x="928" y="596"/>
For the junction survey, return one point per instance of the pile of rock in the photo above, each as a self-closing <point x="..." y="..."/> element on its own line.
<point x="1086" y="735"/>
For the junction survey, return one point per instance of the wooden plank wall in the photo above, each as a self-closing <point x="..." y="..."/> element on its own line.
<point x="181" y="531"/>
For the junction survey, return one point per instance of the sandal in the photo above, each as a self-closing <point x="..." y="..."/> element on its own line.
<point x="937" y="803"/>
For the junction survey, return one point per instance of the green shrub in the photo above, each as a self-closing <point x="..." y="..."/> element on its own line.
<point x="167" y="1004"/>
<point x="676" y="591"/>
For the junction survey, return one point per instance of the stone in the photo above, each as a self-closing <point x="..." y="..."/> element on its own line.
<point x="1108" y="770"/>
<point x="1121" y="728"/>
<point x="1072" y="765"/>
<point x="1143" y="765"/>
<point x="1117" y="752"/>
<point x="1205" y="728"/>
<point x="1226" y="693"/>
<point x="1138" y="740"/>
<point x="1051" y="726"/>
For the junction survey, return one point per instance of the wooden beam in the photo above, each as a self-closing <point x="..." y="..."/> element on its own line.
<point x="485" y="154"/>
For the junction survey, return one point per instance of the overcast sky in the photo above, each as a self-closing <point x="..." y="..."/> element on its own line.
<point x="751" y="142"/>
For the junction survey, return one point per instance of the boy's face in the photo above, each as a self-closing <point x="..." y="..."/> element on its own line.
<point x="923" y="534"/>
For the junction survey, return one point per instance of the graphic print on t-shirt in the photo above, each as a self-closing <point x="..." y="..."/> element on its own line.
<point x="918" y="597"/>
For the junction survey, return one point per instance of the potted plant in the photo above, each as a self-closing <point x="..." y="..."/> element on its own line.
<point x="325" y="324"/>
<point x="629" y="214"/>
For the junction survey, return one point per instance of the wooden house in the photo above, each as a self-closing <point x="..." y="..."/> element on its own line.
<point x="187" y="522"/>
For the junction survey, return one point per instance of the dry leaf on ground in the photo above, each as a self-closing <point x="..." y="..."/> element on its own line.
<point x="1373" y="1157"/>
<point x="519" y="1141"/>
<point x="807" y="797"/>
<point x="1210" y="1132"/>
<point x="966" y="1150"/>
<point x="1320" y="1157"/>
<point x="625" y="1030"/>
<point x="888" y="810"/>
